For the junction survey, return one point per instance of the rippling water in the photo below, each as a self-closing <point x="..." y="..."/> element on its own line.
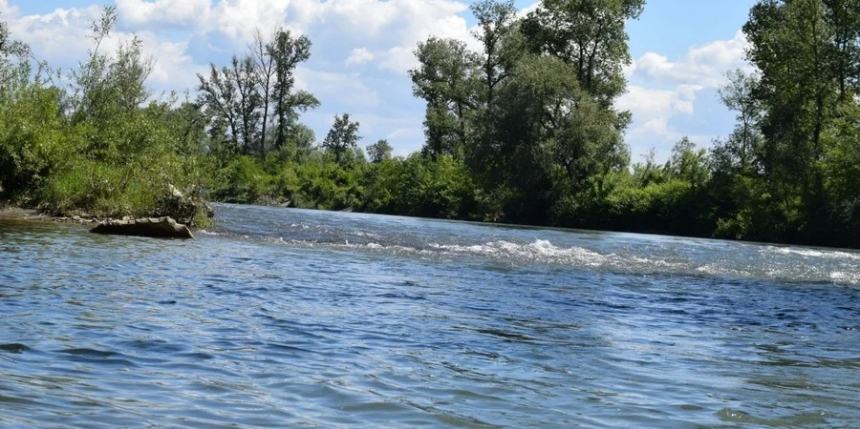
<point x="287" y="318"/>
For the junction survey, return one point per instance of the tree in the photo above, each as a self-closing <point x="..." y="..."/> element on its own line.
<point x="342" y="137"/>
<point x="844" y="17"/>
<point x="446" y="80"/>
<point x="590" y="36"/>
<point x="107" y="92"/>
<point x="248" y="103"/>
<point x="495" y="21"/>
<point x="688" y="164"/>
<point x="287" y="54"/>
<point x="219" y="95"/>
<point x="264" y="76"/>
<point x="379" y="151"/>
<point x="792" y="45"/>
<point x="243" y="98"/>
<point x="741" y="151"/>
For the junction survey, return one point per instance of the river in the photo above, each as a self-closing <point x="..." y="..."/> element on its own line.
<point x="289" y="318"/>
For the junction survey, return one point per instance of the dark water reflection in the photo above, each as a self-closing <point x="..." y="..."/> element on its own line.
<point x="281" y="318"/>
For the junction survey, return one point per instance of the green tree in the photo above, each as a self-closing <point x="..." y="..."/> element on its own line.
<point x="249" y="102"/>
<point x="495" y="22"/>
<point x="342" y="137"/>
<point x="264" y="75"/>
<point x="800" y="50"/>
<point x="9" y="46"/>
<point x="445" y="79"/>
<point x="379" y="151"/>
<point x="688" y="163"/>
<point x="590" y="36"/>
<point x="287" y="53"/>
<point x="219" y="95"/>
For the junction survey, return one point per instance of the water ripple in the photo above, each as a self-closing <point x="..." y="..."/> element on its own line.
<point x="306" y="319"/>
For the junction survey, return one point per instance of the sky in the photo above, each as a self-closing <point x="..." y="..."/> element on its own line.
<point x="362" y="49"/>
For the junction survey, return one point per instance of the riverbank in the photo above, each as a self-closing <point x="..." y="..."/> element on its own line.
<point x="19" y="213"/>
<point x="156" y="227"/>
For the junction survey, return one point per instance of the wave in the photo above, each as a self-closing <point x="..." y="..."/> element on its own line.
<point x="778" y="264"/>
<point x="537" y="251"/>
<point x="814" y="253"/>
<point x="467" y="243"/>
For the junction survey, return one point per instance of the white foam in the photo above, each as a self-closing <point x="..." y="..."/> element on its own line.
<point x="845" y="278"/>
<point x="539" y="250"/>
<point x="813" y="253"/>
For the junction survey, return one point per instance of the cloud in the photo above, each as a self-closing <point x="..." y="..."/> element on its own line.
<point x="652" y="111"/>
<point x="664" y="92"/>
<point x="360" y="56"/>
<point x="704" y="65"/>
<point x="352" y="93"/>
<point x="183" y="14"/>
<point x="7" y="10"/>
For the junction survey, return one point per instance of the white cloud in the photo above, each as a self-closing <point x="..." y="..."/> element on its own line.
<point x="184" y="14"/>
<point x="704" y="65"/>
<point x="650" y="103"/>
<point x="665" y="91"/>
<point x="173" y="69"/>
<point x="360" y="56"/>
<point x="349" y="89"/>
<point x="7" y="10"/>
<point x="652" y="110"/>
<point x="382" y="28"/>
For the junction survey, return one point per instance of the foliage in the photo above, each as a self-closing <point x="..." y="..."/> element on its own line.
<point x="341" y="138"/>
<point x="241" y="99"/>
<point x="96" y="145"/>
<point x="379" y="151"/>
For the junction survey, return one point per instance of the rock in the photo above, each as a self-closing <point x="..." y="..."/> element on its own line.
<point x="162" y="227"/>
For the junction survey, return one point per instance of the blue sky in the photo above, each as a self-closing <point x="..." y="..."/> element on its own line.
<point x="362" y="49"/>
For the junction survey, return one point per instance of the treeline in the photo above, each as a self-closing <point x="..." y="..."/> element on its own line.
<point x="523" y="130"/>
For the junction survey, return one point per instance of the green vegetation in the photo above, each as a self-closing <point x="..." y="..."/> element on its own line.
<point x="92" y="139"/>
<point x="523" y="130"/>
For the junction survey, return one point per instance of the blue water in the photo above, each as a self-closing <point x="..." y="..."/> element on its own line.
<point x="289" y="318"/>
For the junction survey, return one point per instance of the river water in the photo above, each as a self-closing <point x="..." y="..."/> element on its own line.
<point x="290" y="318"/>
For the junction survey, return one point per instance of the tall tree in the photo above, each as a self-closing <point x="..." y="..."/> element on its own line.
<point x="495" y="21"/>
<point x="790" y="45"/>
<point x="244" y="97"/>
<point x="844" y="17"/>
<point x="590" y="36"/>
<point x="740" y="152"/>
<point x="249" y="102"/>
<point x="219" y="95"/>
<point x="342" y="137"/>
<point x="288" y="53"/>
<point x="446" y="80"/>
<point x="265" y="77"/>
<point x="379" y="151"/>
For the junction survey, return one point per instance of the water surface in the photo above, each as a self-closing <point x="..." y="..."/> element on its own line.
<point x="289" y="318"/>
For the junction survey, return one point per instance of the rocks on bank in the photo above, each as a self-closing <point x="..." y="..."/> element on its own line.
<point x="175" y="213"/>
<point x="161" y="227"/>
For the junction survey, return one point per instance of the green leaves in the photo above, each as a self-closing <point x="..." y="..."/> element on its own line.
<point x="342" y="137"/>
<point x="379" y="151"/>
<point x="242" y="98"/>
